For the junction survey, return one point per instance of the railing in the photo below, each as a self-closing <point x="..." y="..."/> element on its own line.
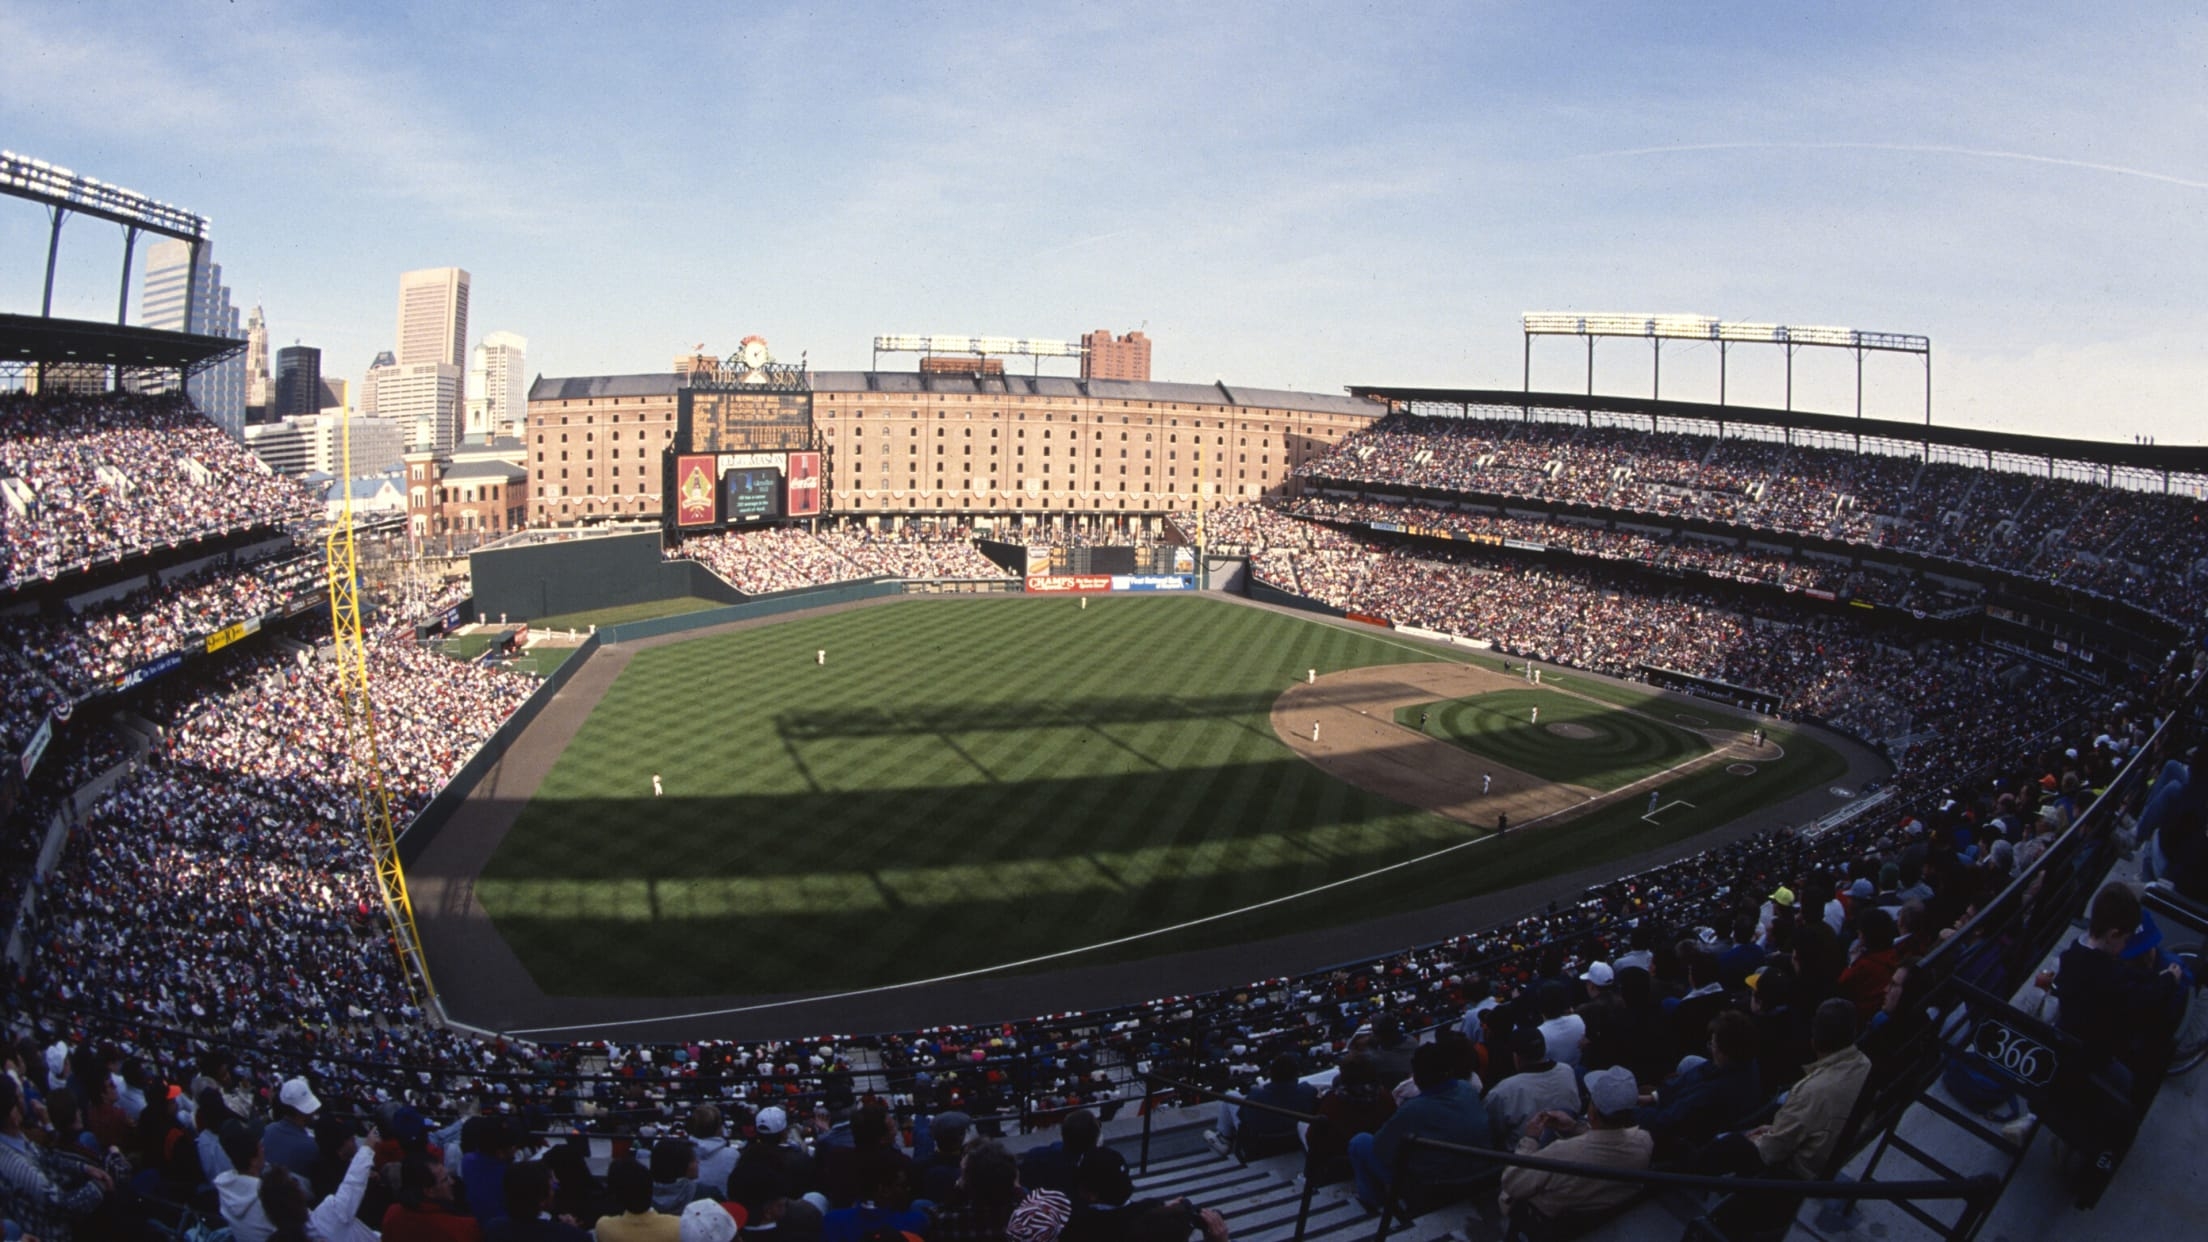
<point x="1976" y="1193"/>
<point x="1156" y="1086"/>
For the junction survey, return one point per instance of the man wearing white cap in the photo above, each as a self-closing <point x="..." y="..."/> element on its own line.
<point x="289" y="1143"/>
<point x="1607" y="1138"/>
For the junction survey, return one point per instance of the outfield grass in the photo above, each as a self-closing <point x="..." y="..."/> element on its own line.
<point x="968" y="783"/>
<point x="645" y="611"/>
<point x="1623" y="747"/>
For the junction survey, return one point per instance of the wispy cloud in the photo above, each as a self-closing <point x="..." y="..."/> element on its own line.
<point x="270" y="94"/>
<point x="1898" y="148"/>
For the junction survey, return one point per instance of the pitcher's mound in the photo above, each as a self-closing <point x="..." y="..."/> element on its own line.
<point x="1576" y="732"/>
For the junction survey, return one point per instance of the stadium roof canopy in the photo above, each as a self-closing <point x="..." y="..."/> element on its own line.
<point x="2175" y="459"/>
<point x="33" y="338"/>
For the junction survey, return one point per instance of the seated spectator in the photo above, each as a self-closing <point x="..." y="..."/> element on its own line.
<point x="1607" y="1137"/>
<point x="1254" y="1130"/>
<point x="1052" y="1166"/>
<point x="45" y="1197"/>
<point x="1539" y="1085"/>
<point x="1710" y="1096"/>
<point x="988" y="1189"/>
<point x="716" y="1155"/>
<point x="1356" y="1103"/>
<point x="675" y="1176"/>
<point x="238" y="1190"/>
<point x="1560" y="1025"/>
<point x="1100" y="1193"/>
<point x="1863" y="983"/>
<point x="530" y="1206"/>
<point x="639" y="1220"/>
<point x="1446" y="1109"/>
<point x="1802" y="1137"/>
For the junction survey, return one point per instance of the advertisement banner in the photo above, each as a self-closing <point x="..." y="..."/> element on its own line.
<point x="1524" y="546"/>
<point x="1184" y="560"/>
<point x="1368" y="619"/>
<point x="804" y="485"/>
<point x="749" y="461"/>
<point x="149" y="670"/>
<point x="1064" y="584"/>
<point x="1153" y="582"/>
<point x="231" y="633"/>
<point x="694" y="490"/>
<point x="36" y="747"/>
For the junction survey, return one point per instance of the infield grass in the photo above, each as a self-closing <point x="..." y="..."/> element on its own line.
<point x="967" y="784"/>
<point x="1577" y="742"/>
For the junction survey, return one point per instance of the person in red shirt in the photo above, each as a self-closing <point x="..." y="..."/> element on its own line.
<point x="1864" y="981"/>
<point x="425" y="1211"/>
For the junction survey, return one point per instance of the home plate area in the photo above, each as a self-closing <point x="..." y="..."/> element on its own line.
<point x="1656" y="816"/>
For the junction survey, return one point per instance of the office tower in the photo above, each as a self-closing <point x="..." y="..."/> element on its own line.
<point x="433" y="316"/>
<point x="260" y="382"/>
<point x="498" y="387"/>
<point x="424" y="399"/>
<point x="298" y="381"/>
<point x="219" y="390"/>
<point x="384" y="364"/>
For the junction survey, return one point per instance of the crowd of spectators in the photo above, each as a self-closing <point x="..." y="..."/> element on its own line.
<point x="80" y="651"/>
<point x="215" y="900"/>
<point x="939" y="551"/>
<point x="2141" y="546"/>
<point x="786" y="558"/>
<point x="244" y="919"/>
<point x="111" y="474"/>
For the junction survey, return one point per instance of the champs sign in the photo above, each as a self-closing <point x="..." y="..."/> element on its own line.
<point x="694" y="476"/>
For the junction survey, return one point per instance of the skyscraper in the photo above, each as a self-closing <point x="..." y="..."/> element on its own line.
<point x="219" y="390"/>
<point x="298" y="381"/>
<point x="424" y="391"/>
<point x="386" y="362"/>
<point x="260" y="383"/>
<point x="433" y="316"/>
<point x="498" y="387"/>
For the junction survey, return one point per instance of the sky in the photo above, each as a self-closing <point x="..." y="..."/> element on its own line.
<point x="1281" y="196"/>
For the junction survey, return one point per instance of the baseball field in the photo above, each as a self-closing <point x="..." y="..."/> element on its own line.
<point x="938" y="787"/>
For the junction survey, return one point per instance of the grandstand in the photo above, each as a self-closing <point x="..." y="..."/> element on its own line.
<point x="2014" y="621"/>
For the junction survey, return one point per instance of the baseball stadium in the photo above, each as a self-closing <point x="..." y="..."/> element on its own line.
<point x="845" y="746"/>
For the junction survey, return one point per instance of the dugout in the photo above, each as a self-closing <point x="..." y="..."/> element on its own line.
<point x="549" y="574"/>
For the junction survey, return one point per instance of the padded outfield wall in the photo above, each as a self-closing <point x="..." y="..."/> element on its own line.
<point x="530" y="580"/>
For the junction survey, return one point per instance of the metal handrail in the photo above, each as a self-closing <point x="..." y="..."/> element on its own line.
<point x="1978" y="1190"/>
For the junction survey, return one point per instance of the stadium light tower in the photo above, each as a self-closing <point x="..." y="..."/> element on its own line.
<point x="357" y="707"/>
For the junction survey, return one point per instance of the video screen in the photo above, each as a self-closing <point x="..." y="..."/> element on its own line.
<point x="752" y="494"/>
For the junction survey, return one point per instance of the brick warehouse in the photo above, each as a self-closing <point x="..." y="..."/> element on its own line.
<point x="912" y="444"/>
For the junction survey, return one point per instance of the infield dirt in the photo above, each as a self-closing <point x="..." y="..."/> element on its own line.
<point x="1360" y="743"/>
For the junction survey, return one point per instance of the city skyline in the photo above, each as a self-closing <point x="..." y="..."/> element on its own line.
<point x="1283" y="198"/>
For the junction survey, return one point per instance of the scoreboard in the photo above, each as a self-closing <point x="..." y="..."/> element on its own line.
<point x="744" y="452"/>
<point x="738" y="489"/>
<point x="735" y="421"/>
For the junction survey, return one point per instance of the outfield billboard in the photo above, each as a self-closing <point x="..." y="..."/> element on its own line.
<point x="1093" y="584"/>
<point x="694" y="490"/>
<point x="804" y="485"/>
<point x="1069" y="584"/>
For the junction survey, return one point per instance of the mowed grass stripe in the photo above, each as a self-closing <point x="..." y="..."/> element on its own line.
<point x="1620" y="747"/>
<point x="966" y="782"/>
